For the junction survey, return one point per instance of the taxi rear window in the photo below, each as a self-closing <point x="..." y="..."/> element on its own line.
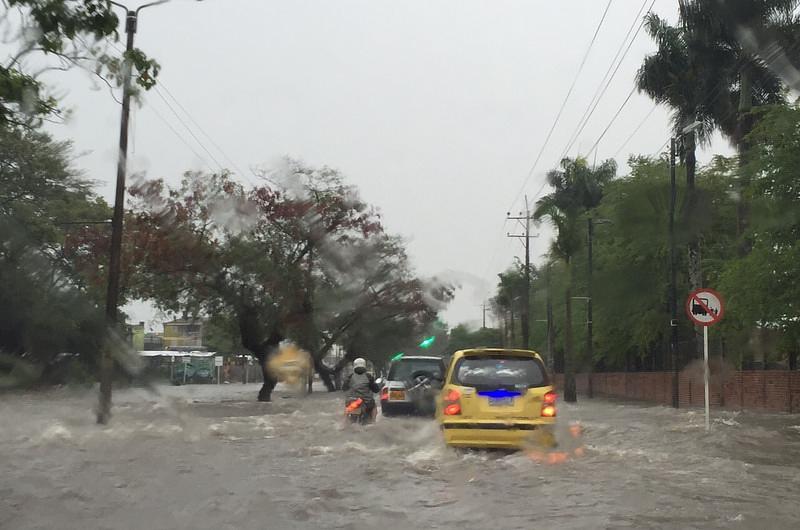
<point x="498" y="371"/>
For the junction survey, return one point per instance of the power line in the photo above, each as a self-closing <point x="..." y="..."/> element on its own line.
<point x="181" y="138"/>
<point x="563" y="105"/>
<point x="208" y="136"/>
<point x="189" y="130"/>
<point x="636" y="130"/>
<point x="627" y="99"/>
<point x="160" y="85"/>
<point x="602" y="88"/>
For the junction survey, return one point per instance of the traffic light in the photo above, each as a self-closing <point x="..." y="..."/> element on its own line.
<point x="428" y="342"/>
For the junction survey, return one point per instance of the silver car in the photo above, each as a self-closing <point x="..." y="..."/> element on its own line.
<point x="411" y="385"/>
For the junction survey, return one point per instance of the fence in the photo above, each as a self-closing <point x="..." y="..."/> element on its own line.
<point x="766" y="390"/>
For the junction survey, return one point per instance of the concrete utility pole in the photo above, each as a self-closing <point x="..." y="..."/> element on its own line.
<point x="483" y="308"/>
<point x="673" y="295"/>
<point x="526" y="300"/>
<point x="115" y="251"/>
<point x="673" y="289"/>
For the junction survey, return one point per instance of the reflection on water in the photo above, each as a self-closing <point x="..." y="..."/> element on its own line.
<point x="211" y="457"/>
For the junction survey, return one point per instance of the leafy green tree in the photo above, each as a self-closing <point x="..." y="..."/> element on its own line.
<point x="577" y="188"/>
<point x="74" y="33"/>
<point x="45" y="310"/>
<point x="508" y="302"/>
<point x="461" y="338"/>
<point x="762" y="287"/>
<point x="301" y="258"/>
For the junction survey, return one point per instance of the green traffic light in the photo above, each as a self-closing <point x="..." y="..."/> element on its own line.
<point x="427" y="343"/>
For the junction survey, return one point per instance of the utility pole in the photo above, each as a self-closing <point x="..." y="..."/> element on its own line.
<point x="673" y="295"/>
<point x="589" y="328"/>
<point x="115" y="252"/>
<point x="483" y="307"/>
<point x="526" y="300"/>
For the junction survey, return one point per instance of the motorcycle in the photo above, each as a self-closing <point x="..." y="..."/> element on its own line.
<point x="356" y="411"/>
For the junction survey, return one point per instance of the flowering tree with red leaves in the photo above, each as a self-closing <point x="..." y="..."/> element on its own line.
<point x="300" y="257"/>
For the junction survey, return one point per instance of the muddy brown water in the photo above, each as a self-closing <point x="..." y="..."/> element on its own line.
<point x="210" y="457"/>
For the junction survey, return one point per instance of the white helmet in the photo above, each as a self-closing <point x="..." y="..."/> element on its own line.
<point x="359" y="363"/>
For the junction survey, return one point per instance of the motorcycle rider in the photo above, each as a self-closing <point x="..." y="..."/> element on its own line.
<point x="361" y="384"/>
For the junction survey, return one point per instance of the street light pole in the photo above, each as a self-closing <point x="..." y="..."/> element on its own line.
<point x="673" y="295"/>
<point x="673" y="288"/>
<point x="115" y="251"/>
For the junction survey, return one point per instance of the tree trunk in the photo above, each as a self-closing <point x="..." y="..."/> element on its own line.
<point x="505" y="329"/>
<point x="252" y="334"/>
<point x="551" y="339"/>
<point x="570" y="391"/>
<point x="325" y="374"/>
<point x="743" y="127"/>
<point x="513" y="334"/>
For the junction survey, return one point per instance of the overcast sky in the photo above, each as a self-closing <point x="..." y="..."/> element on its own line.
<point x="436" y="110"/>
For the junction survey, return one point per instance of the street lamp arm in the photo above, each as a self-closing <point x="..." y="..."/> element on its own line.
<point x="692" y="127"/>
<point x="158" y="2"/>
<point x="118" y="5"/>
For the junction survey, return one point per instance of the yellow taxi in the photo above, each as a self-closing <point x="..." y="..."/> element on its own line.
<point x="496" y="398"/>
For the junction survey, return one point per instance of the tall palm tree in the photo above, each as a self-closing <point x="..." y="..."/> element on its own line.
<point x="704" y="74"/>
<point x="577" y="188"/>
<point x="718" y="30"/>
<point x="687" y="80"/>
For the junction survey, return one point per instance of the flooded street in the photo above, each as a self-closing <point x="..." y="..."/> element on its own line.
<point x="211" y="457"/>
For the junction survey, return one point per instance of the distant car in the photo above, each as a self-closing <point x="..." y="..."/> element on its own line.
<point x="411" y="386"/>
<point x="496" y="398"/>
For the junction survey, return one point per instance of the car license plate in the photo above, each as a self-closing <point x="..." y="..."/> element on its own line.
<point x="397" y="395"/>
<point x="501" y="401"/>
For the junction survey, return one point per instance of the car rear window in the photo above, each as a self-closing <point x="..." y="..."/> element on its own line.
<point x="497" y="371"/>
<point x="404" y="368"/>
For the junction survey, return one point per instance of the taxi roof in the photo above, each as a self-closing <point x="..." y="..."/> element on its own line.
<point x="511" y="351"/>
<point x="424" y="357"/>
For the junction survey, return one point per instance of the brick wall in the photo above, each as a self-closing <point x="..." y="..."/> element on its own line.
<point x="767" y="390"/>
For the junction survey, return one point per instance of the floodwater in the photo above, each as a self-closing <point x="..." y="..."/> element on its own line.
<point x="211" y="457"/>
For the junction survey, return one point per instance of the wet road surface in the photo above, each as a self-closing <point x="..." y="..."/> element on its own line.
<point x="210" y="457"/>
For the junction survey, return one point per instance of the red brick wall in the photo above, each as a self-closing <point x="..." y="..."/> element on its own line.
<point x="768" y="390"/>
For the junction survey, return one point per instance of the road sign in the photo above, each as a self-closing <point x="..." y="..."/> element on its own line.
<point x="704" y="307"/>
<point x="218" y="364"/>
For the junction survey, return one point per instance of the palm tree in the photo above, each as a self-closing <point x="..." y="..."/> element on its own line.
<point x="577" y="188"/>
<point x="719" y="32"/>
<point x="688" y="81"/>
<point x="510" y="289"/>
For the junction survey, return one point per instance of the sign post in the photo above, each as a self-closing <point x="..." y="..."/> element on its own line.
<point x="186" y="361"/>
<point x="704" y="307"/>
<point x="218" y="364"/>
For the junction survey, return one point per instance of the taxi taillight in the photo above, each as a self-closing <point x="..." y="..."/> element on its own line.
<point x="385" y="393"/>
<point x="549" y="405"/>
<point x="452" y="403"/>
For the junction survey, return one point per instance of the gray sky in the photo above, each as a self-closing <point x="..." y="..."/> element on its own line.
<point x="436" y="110"/>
